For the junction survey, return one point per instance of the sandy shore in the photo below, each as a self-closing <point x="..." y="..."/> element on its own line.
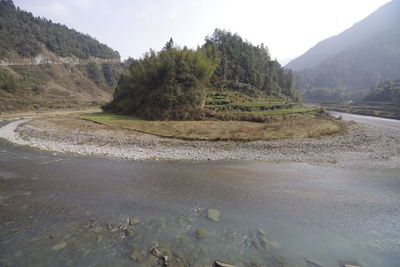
<point x="362" y="145"/>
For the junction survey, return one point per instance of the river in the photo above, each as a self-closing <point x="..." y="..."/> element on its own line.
<point x="65" y="210"/>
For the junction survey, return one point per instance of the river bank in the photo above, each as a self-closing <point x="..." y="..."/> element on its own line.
<point x="361" y="145"/>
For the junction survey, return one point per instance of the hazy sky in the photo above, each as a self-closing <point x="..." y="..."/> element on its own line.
<point x="288" y="27"/>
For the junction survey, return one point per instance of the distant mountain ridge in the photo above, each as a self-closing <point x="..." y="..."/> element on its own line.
<point x="387" y="18"/>
<point x="357" y="59"/>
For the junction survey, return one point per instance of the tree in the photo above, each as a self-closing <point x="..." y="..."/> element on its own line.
<point x="170" y="84"/>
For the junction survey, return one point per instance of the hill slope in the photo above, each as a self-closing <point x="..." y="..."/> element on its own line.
<point x="357" y="59"/>
<point x="43" y="64"/>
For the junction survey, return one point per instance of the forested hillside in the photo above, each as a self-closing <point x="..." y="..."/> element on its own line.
<point x="388" y="91"/>
<point x="44" y="64"/>
<point x="175" y="83"/>
<point x="346" y="66"/>
<point x="25" y="35"/>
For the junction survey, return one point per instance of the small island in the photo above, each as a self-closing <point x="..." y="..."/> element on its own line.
<point x="227" y="89"/>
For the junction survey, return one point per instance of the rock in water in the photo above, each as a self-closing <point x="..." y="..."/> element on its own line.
<point x="219" y="263"/>
<point x="313" y="262"/>
<point x="201" y="233"/>
<point x="59" y="246"/>
<point x="133" y="221"/>
<point x="136" y="256"/>
<point x="213" y="214"/>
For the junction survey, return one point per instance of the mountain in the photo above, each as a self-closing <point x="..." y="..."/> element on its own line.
<point x="355" y="60"/>
<point x="46" y="64"/>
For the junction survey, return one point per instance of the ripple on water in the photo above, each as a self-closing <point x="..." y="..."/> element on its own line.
<point x="8" y="175"/>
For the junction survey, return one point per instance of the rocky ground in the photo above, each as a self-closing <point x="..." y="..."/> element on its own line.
<point x="361" y="145"/>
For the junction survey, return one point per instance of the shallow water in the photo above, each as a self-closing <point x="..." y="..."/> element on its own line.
<point x="60" y="210"/>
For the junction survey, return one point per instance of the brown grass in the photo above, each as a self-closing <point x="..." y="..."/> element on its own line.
<point x="305" y="125"/>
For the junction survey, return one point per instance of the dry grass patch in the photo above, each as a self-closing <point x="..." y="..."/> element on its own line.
<point x="307" y="125"/>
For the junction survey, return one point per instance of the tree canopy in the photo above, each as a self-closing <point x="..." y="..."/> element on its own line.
<point x="248" y="68"/>
<point x="170" y="84"/>
<point x="388" y="91"/>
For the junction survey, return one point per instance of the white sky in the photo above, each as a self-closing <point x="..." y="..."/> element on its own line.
<point x="287" y="27"/>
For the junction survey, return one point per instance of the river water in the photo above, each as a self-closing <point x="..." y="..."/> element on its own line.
<point x="64" y="210"/>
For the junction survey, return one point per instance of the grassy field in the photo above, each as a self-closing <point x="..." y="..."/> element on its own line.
<point x="303" y="125"/>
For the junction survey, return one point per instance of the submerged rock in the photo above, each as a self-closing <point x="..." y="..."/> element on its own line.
<point x="59" y="246"/>
<point x="133" y="221"/>
<point x="98" y="229"/>
<point x="201" y="233"/>
<point x="268" y="244"/>
<point x="349" y="263"/>
<point x="155" y="252"/>
<point x="136" y="256"/>
<point x="261" y="232"/>
<point x="213" y="214"/>
<point x="255" y="263"/>
<point x="220" y="263"/>
<point x="312" y="262"/>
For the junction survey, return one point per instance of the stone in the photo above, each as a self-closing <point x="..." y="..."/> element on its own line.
<point x="220" y="263"/>
<point x="349" y="263"/>
<point x="213" y="215"/>
<point x="98" y="229"/>
<point x="255" y="263"/>
<point x="201" y="233"/>
<point x="261" y="232"/>
<point x="163" y="248"/>
<point x="59" y="246"/>
<point x="312" y="262"/>
<point x="156" y="252"/>
<point x="164" y="260"/>
<point x="268" y="245"/>
<point x="133" y="221"/>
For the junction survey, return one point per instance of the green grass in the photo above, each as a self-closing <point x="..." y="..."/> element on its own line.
<point x="297" y="110"/>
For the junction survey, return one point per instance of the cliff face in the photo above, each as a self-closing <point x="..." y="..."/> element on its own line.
<point x="44" y="64"/>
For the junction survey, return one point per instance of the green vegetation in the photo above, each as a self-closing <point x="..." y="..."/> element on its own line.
<point x="295" y="126"/>
<point x="24" y="87"/>
<point x="247" y="68"/>
<point x="388" y="91"/>
<point x="7" y="82"/>
<point x="23" y="34"/>
<point x="170" y="84"/>
<point x="382" y="101"/>
<point x="226" y="73"/>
